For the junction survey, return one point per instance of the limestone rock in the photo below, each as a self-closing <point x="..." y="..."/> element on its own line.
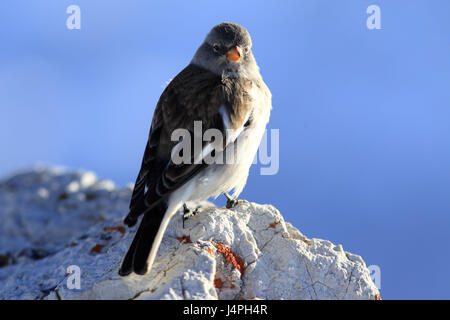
<point x="56" y="222"/>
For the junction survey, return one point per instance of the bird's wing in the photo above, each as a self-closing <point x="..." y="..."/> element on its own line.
<point x="195" y="94"/>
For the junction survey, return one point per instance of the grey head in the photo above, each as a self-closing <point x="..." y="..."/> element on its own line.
<point x="227" y="51"/>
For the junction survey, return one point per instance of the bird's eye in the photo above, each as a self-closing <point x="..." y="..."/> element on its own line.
<point x="216" y="47"/>
<point x="246" y="49"/>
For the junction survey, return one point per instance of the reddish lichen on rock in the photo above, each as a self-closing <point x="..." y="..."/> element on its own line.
<point x="119" y="229"/>
<point x="232" y="258"/>
<point x="97" y="248"/>
<point x="272" y="225"/>
<point x="377" y="296"/>
<point x="186" y="239"/>
<point x="218" y="283"/>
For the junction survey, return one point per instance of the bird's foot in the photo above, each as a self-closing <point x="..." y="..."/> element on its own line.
<point x="188" y="213"/>
<point x="231" y="203"/>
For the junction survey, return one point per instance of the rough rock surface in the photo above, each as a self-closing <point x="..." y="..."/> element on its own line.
<point x="52" y="219"/>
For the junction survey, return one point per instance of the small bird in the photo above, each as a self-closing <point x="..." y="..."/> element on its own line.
<point x="222" y="89"/>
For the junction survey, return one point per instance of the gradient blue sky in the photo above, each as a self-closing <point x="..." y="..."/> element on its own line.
<point x="364" y="116"/>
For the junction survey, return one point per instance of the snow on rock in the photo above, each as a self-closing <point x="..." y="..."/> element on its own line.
<point x="53" y="219"/>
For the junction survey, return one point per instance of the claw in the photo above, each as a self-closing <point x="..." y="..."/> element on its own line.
<point x="231" y="203"/>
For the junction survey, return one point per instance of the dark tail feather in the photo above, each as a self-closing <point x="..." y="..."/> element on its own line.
<point x="136" y="257"/>
<point x="127" y="264"/>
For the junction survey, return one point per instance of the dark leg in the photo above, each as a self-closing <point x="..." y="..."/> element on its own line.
<point x="231" y="203"/>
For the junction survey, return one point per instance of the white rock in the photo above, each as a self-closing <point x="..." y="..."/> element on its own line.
<point x="249" y="252"/>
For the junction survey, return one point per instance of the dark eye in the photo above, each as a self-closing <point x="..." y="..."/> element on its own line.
<point x="246" y="49"/>
<point x="216" y="47"/>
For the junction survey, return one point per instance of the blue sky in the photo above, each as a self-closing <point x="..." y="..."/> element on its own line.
<point x="364" y="115"/>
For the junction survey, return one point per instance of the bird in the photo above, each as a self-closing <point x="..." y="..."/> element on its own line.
<point x="221" y="89"/>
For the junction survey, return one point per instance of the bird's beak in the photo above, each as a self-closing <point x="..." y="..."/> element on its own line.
<point x="233" y="55"/>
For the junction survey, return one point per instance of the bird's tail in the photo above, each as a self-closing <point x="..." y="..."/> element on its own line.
<point x="143" y="249"/>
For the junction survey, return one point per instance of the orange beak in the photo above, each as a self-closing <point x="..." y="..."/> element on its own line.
<point x="233" y="55"/>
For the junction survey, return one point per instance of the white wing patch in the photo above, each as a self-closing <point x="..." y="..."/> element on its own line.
<point x="231" y="134"/>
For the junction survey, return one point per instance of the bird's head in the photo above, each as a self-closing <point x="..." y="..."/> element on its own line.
<point x="227" y="50"/>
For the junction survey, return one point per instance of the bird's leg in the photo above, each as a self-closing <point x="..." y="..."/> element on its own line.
<point x="231" y="203"/>
<point x="188" y="212"/>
